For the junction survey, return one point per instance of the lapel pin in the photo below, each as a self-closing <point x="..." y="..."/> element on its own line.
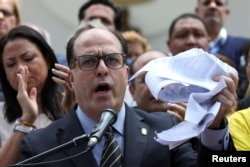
<point x="144" y="131"/>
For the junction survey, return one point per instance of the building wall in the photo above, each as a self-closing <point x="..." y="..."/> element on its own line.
<point x="59" y="18"/>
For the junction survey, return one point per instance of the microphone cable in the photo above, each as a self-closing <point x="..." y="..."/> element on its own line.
<point x="49" y="162"/>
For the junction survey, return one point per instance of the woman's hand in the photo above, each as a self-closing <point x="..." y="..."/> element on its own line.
<point x="61" y="77"/>
<point x="27" y="100"/>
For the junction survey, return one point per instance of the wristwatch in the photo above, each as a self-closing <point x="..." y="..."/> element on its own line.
<point x="23" y="128"/>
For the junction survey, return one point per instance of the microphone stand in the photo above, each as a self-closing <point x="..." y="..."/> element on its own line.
<point x="75" y="142"/>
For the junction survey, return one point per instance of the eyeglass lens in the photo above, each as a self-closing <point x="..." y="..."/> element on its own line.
<point x="90" y="62"/>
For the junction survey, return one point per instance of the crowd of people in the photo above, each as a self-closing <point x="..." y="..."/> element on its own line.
<point x="47" y="101"/>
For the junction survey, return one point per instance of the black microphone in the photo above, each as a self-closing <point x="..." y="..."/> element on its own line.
<point x="108" y="117"/>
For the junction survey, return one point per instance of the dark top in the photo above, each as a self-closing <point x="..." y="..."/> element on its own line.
<point x="233" y="49"/>
<point x="140" y="149"/>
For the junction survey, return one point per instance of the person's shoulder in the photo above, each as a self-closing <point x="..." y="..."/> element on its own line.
<point x="158" y="116"/>
<point x="238" y="38"/>
<point x="53" y="127"/>
<point x="239" y="118"/>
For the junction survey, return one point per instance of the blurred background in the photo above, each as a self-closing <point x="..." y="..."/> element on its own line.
<point x="151" y="17"/>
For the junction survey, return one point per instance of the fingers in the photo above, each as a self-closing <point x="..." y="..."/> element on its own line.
<point x="235" y="79"/>
<point x="229" y="93"/>
<point x="27" y="101"/>
<point x="231" y="82"/>
<point x="61" y="77"/>
<point x="21" y="86"/>
<point x="228" y="99"/>
<point x="61" y="74"/>
<point x="62" y="67"/>
<point x="178" y="117"/>
<point x="22" y="81"/>
<point x="33" y="94"/>
<point x="178" y="110"/>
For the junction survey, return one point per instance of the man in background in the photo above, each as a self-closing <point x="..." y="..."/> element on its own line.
<point x="141" y="93"/>
<point x="103" y="10"/>
<point x="214" y="14"/>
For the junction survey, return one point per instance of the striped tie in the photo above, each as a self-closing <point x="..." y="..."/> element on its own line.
<point x="111" y="154"/>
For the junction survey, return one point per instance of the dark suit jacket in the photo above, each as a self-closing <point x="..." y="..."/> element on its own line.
<point x="233" y="49"/>
<point x="139" y="149"/>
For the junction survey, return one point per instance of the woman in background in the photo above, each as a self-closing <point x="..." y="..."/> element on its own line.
<point x="32" y="98"/>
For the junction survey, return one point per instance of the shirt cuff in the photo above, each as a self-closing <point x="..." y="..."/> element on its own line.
<point x="217" y="140"/>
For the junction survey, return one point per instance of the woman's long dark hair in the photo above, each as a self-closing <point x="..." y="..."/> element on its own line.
<point x="50" y="95"/>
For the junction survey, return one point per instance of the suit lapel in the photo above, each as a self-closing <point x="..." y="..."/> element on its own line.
<point x="135" y="138"/>
<point x="70" y="129"/>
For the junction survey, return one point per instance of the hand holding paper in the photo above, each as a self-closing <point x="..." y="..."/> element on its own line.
<point x="187" y="77"/>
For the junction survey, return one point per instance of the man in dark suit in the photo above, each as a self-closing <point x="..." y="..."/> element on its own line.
<point x="214" y="13"/>
<point x="99" y="79"/>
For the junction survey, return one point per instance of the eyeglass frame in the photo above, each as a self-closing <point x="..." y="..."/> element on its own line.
<point x="99" y="57"/>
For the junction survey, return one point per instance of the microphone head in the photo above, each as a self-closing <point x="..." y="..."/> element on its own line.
<point x="109" y="113"/>
<point x="108" y="117"/>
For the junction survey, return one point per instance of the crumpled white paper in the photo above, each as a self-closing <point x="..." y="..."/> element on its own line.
<point x="187" y="77"/>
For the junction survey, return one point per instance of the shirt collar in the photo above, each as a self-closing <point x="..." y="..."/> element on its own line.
<point x="222" y="37"/>
<point x="88" y="124"/>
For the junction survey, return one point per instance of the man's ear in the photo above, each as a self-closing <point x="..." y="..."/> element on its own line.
<point x="127" y="69"/>
<point x="196" y="10"/>
<point x="227" y="11"/>
<point x="168" y="43"/>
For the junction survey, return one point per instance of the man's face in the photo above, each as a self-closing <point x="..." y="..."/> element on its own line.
<point x="212" y="11"/>
<point x="7" y="17"/>
<point x="188" y="33"/>
<point x="140" y="91"/>
<point x="101" y="87"/>
<point x="103" y="13"/>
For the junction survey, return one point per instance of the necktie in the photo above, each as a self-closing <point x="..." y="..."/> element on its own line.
<point x="216" y="47"/>
<point x="111" y="154"/>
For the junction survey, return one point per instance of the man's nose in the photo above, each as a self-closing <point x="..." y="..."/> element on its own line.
<point x="191" y="39"/>
<point x="102" y="68"/>
<point x="212" y="4"/>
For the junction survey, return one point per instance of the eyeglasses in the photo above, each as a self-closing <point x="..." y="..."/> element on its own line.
<point x="90" y="62"/>
<point x="6" y="13"/>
